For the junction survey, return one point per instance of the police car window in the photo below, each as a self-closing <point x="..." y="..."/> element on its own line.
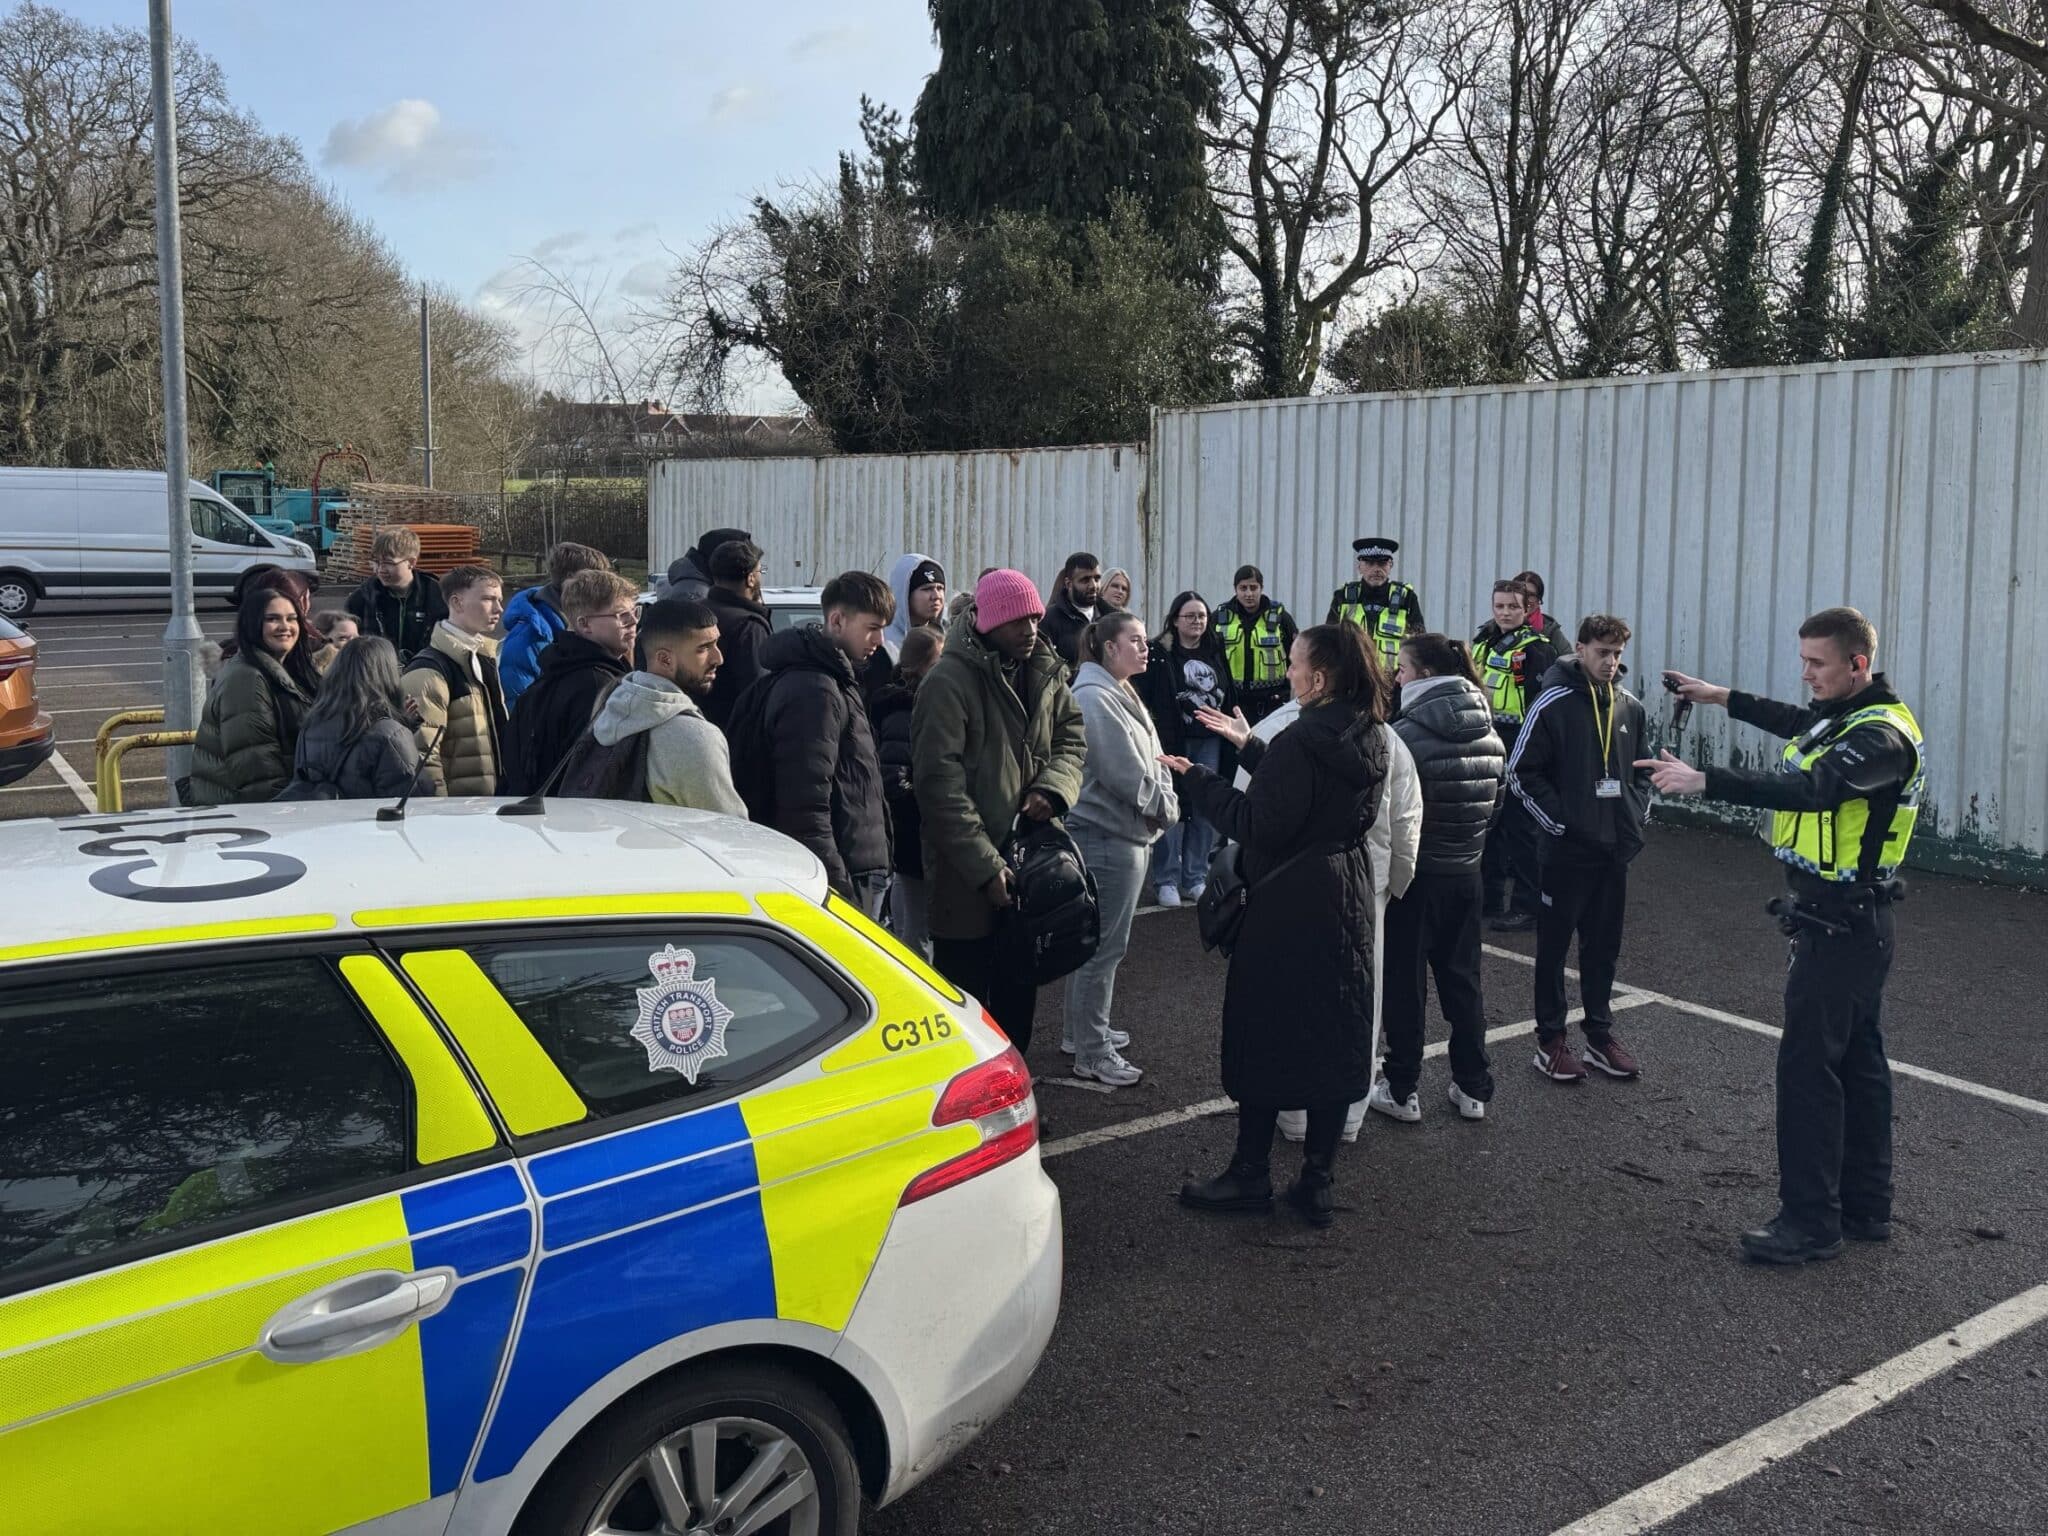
<point x="639" y="1022"/>
<point x="140" y="1106"/>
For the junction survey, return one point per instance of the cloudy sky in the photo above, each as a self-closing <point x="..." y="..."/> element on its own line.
<point x="590" y="134"/>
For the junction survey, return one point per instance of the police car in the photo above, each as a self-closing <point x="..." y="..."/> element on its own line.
<point x="582" y="1171"/>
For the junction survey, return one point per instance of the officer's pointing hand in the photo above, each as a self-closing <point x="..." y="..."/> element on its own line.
<point x="1673" y="776"/>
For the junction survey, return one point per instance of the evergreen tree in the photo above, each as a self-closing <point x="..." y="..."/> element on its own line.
<point x="1923" y="300"/>
<point x="1058" y="106"/>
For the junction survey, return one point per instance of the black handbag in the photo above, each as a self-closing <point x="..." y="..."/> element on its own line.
<point x="1056" y="922"/>
<point x="1219" y="913"/>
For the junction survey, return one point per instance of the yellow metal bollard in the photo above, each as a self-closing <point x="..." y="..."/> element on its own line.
<point x="107" y="752"/>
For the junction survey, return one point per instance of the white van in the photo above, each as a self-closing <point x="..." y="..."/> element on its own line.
<point x="67" y="533"/>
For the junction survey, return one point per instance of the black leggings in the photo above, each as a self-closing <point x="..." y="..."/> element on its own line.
<point x="1257" y="1122"/>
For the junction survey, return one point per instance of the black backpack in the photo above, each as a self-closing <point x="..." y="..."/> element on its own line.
<point x="594" y="771"/>
<point x="1056" y="923"/>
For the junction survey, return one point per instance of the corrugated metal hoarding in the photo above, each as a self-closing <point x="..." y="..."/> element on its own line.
<point x="1713" y="511"/>
<point x="816" y="517"/>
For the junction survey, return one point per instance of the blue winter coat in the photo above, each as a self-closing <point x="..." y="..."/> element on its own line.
<point x="533" y="620"/>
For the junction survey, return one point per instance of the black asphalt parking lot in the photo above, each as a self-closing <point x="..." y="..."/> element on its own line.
<point x="94" y="661"/>
<point x="1513" y="1324"/>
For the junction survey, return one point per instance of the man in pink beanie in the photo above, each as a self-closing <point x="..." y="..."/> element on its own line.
<point x="995" y="734"/>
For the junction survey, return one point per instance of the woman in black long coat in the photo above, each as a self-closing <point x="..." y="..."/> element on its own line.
<point x="1298" y="1003"/>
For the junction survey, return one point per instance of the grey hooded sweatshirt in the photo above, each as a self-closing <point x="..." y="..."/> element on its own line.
<point x="1126" y="791"/>
<point x="687" y="761"/>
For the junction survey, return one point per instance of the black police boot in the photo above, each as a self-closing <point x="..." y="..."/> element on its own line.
<point x="1781" y="1242"/>
<point x="1866" y="1229"/>
<point x="1512" y="921"/>
<point x="1311" y="1193"/>
<point x="1242" y="1186"/>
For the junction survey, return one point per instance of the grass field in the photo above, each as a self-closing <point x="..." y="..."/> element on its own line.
<point x="615" y="483"/>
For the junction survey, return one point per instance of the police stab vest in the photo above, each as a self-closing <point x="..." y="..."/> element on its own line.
<point x="1500" y="673"/>
<point x="1858" y="840"/>
<point x="1257" y="657"/>
<point x="1386" y="623"/>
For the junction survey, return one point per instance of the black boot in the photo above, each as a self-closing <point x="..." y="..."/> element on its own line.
<point x="1242" y="1186"/>
<point x="1311" y="1193"/>
<point x="1783" y="1242"/>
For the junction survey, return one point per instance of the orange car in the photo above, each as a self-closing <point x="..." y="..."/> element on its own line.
<point x="27" y="734"/>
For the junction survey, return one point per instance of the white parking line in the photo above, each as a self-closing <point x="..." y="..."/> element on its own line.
<point x="1697" y="1481"/>
<point x="1082" y="1140"/>
<point x="78" y="786"/>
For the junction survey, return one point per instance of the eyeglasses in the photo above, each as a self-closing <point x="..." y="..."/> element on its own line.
<point x="626" y="620"/>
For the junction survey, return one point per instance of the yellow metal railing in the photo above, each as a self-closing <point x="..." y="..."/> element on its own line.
<point x="107" y="751"/>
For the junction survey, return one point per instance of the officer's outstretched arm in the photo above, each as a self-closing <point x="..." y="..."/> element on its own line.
<point x="1871" y="760"/>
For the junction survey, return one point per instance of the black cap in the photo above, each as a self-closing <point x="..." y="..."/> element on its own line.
<point x="708" y="545"/>
<point x="1378" y="547"/>
<point x="929" y="574"/>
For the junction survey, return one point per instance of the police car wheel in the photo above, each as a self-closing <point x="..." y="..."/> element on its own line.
<point x="734" y="1448"/>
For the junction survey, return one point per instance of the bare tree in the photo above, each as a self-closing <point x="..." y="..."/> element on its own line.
<point x="1994" y="58"/>
<point x="1328" y="106"/>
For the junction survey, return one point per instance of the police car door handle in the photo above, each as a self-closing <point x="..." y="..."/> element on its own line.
<point x="355" y="1314"/>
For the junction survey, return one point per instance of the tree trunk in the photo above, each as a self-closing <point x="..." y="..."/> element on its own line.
<point x="1807" y="327"/>
<point x="2030" y="328"/>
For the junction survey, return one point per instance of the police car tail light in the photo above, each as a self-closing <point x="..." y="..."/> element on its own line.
<point x="996" y="1097"/>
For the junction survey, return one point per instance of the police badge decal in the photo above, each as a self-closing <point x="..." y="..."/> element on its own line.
<point x="682" y="1022"/>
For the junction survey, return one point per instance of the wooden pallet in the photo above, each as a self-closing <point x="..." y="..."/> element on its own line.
<point x="449" y="526"/>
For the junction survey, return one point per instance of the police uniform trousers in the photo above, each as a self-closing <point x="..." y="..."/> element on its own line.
<point x="1834" y="1084"/>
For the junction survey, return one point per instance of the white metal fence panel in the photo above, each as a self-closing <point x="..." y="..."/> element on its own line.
<point x="1711" y="510"/>
<point x="816" y="517"/>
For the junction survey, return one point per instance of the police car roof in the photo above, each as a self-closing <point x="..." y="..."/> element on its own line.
<point x="75" y="878"/>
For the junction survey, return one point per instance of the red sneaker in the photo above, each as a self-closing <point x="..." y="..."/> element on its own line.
<point x="1611" y="1057"/>
<point x="1557" y="1061"/>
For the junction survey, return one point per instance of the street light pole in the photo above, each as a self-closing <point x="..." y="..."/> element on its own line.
<point x="426" y="390"/>
<point x="184" y="678"/>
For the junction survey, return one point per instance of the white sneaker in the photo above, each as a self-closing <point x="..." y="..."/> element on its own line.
<point x="1354" y="1118"/>
<point x="1169" y="895"/>
<point x="1294" y="1124"/>
<point x="1111" y="1069"/>
<point x="1194" y="892"/>
<point x="1381" y="1099"/>
<point x="1469" y="1107"/>
<point x="1117" y="1041"/>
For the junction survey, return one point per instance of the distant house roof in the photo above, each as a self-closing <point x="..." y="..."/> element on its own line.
<point x="651" y="424"/>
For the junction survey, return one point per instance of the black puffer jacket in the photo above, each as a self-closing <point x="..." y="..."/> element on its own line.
<point x="1459" y="758"/>
<point x="377" y="764"/>
<point x="803" y="755"/>
<point x="890" y="712"/>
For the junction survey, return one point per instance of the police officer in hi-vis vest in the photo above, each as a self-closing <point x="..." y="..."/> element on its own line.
<point x="1844" y="800"/>
<point x="1256" y="634"/>
<point x="1387" y="610"/>
<point x="1512" y="658"/>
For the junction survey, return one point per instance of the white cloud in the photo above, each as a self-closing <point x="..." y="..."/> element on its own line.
<point x="732" y="103"/>
<point x="409" y="144"/>
<point x="827" y="42"/>
<point x="635" y="232"/>
<point x="556" y="247"/>
<point x="645" y="280"/>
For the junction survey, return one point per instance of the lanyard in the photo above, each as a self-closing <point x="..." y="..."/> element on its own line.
<point x="1605" y="726"/>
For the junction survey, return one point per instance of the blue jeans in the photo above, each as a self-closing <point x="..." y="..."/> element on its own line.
<point x="1119" y="870"/>
<point x="1181" y="858"/>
